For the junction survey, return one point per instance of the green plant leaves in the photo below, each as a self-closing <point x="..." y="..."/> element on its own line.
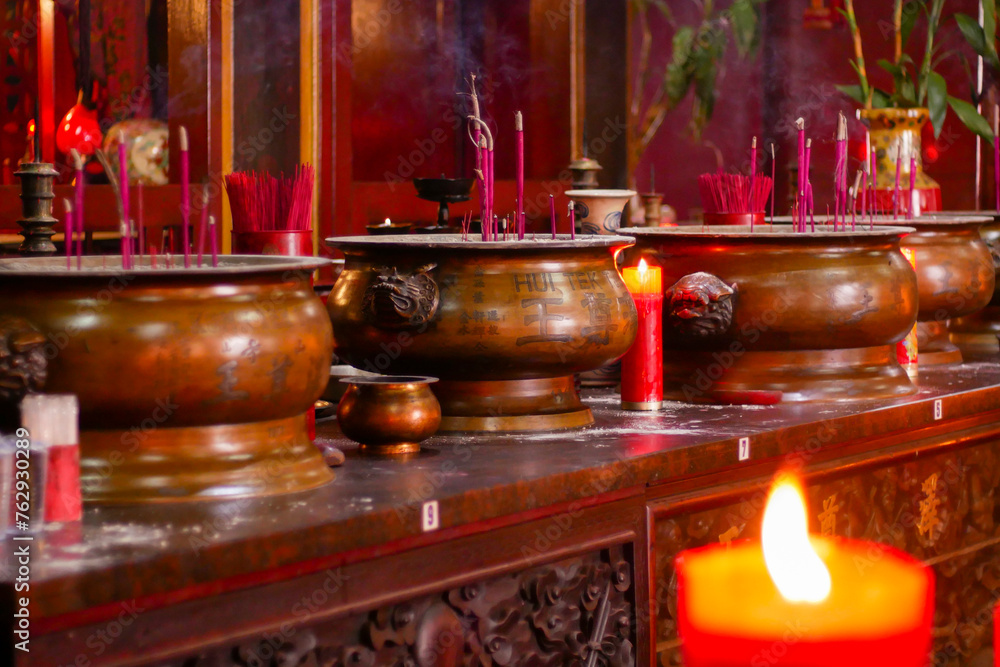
<point x="743" y="18"/>
<point x="981" y="39"/>
<point x="937" y="101"/>
<point x="971" y="118"/>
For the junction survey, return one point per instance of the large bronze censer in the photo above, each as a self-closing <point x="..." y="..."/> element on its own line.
<point x="193" y="383"/>
<point x="812" y="315"/>
<point x="978" y="332"/>
<point x="504" y="325"/>
<point x="956" y="275"/>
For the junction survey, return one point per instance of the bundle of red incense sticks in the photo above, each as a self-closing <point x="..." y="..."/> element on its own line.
<point x="734" y="193"/>
<point x="261" y="202"/>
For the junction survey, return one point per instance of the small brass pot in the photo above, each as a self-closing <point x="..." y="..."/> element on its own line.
<point x="389" y="414"/>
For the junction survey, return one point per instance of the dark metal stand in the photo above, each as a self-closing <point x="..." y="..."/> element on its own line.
<point x="37" y="179"/>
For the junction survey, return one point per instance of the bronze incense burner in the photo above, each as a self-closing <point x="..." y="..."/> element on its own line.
<point x="504" y="325"/>
<point x="389" y="415"/>
<point x="956" y="275"/>
<point x="193" y="383"/>
<point x="814" y="316"/>
<point x="978" y="332"/>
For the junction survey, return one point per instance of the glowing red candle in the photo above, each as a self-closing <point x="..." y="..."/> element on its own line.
<point x="820" y="602"/>
<point x="642" y="365"/>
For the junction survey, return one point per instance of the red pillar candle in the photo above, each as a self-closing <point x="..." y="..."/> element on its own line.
<point x="803" y="602"/>
<point x="642" y="365"/>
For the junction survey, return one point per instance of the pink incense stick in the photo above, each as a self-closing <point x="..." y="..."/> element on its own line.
<point x="572" y="220"/>
<point x="854" y="198"/>
<point x="996" y="153"/>
<point x="214" y="238"/>
<point x="496" y="222"/>
<point x="808" y="189"/>
<point x="552" y="214"/>
<point x="895" y="193"/>
<point x="126" y="243"/>
<point x="202" y="222"/>
<point x="800" y="125"/>
<point x="519" y="135"/>
<point x="773" y="183"/>
<point x="140" y="217"/>
<point x="78" y="204"/>
<point x="914" y="210"/>
<point x="152" y="256"/>
<point x="753" y="178"/>
<point x="874" y="208"/>
<point x="185" y="196"/>
<point x="68" y="207"/>
<point x="864" y="194"/>
<point x="811" y="206"/>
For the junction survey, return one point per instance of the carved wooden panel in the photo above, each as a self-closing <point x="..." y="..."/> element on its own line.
<point x="941" y="509"/>
<point x="576" y="611"/>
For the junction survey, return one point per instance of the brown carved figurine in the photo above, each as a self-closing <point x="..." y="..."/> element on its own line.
<point x="504" y="325"/>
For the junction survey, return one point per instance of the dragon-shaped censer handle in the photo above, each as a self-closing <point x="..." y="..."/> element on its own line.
<point x="23" y="364"/>
<point x="699" y="305"/>
<point x="401" y="300"/>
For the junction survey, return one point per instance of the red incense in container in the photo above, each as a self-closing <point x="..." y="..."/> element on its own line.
<point x="874" y="210"/>
<point x="913" y="208"/>
<point x="642" y="365"/>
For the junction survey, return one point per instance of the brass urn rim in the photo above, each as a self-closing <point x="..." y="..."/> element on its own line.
<point x="767" y="232"/>
<point x="541" y="242"/>
<point x="109" y="266"/>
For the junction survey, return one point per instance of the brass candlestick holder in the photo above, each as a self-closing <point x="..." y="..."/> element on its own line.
<point x="37" y="179"/>
<point x="652" y="204"/>
<point x="584" y="173"/>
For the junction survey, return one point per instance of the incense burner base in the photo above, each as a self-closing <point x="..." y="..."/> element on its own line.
<point x="545" y="404"/>
<point x="800" y="375"/>
<point x="200" y="462"/>
<point x="934" y="346"/>
<point x="976" y="343"/>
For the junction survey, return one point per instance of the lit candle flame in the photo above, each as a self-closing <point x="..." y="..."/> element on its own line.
<point x="642" y="267"/>
<point x="387" y="223"/>
<point x="796" y="569"/>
